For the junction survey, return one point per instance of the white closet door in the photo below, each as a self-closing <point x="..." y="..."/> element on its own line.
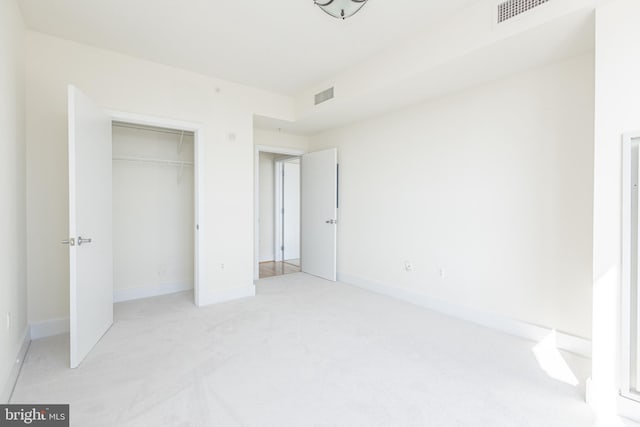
<point x="319" y="213"/>
<point x="90" y="227"/>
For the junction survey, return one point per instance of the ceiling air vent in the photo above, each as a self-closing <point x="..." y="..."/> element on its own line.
<point x="324" y="96"/>
<point x="511" y="8"/>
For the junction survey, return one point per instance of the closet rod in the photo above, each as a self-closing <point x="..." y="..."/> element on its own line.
<point x="154" y="161"/>
<point x="152" y="128"/>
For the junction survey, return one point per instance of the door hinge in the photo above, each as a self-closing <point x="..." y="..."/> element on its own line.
<point x="70" y="241"/>
<point x="282" y="248"/>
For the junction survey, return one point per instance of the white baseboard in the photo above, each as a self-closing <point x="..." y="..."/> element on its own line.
<point x="150" y="291"/>
<point x="7" y="388"/>
<point x="49" y="328"/>
<point x="207" y="298"/>
<point x="578" y="345"/>
<point x="53" y="327"/>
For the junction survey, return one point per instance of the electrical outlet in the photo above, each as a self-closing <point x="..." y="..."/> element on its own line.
<point x="408" y="266"/>
<point x="8" y="321"/>
<point x="221" y="266"/>
<point x="441" y="272"/>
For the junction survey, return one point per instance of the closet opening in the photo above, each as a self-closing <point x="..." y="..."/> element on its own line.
<point x="155" y="211"/>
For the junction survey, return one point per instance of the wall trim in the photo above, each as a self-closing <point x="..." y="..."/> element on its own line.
<point x="49" y="328"/>
<point x="574" y="344"/>
<point x="7" y="388"/>
<point x="53" y="327"/>
<point x="228" y="295"/>
<point x="150" y="291"/>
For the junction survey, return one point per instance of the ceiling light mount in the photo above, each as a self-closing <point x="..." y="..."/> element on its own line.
<point x="341" y="9"/>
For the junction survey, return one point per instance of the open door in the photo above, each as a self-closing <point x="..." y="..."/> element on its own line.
<point x="90" y="227"/>
<point x="319" y="213"/>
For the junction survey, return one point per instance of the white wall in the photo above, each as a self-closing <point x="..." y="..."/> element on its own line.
<point x="617" y="106"/>
<point x="267" y="206"/>
<point x="119" y="82"/>
<point x="271" y="138"/>
<point x="153" y="214"/>
<point x="492" y="185"/>
<point x="12" y="193"/>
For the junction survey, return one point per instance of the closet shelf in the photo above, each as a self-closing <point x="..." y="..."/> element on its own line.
<point x="153" y="161"/>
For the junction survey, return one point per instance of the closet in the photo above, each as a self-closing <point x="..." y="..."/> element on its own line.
<point x="153" y="211"/>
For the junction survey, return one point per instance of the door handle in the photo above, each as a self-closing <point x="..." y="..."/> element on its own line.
<point x="70" y="241"/>
<point x="81" y="240"/>
<point x="331" y="221"/>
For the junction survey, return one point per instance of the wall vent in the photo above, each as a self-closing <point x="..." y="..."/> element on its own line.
<point x="511" y="8"/>
<point x="324" y="96"/>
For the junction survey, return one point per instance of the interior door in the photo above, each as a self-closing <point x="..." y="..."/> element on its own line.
<point x="291" y="210"/>
<point x="90" y="227"/>
<point x="319" y="213"/>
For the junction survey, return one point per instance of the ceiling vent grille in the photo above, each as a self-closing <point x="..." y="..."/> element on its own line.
<point x="511" y="8"/>
<point x="324" y="96"/>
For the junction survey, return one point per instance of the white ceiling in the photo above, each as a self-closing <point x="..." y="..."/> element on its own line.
<point x="560" y="39"/>
<point x="279" y="45"/>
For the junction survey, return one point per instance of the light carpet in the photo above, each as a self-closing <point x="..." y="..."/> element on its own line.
<point x="303" y="352"/>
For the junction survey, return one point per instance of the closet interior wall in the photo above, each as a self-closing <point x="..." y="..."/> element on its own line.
<point x="153" y="211"/>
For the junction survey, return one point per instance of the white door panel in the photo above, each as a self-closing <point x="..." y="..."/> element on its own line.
<point x="319" y="213"/>
<point x="90" y="212"/>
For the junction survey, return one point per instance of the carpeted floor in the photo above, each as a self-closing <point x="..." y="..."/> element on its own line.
<point x="303" y="352"/>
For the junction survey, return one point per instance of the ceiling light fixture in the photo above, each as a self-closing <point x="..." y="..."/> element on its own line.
<point x="341" y="9"/>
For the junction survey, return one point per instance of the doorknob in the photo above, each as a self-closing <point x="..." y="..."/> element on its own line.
<point x="71" y="242"/>
<point x="331" y="221"/>
<point x="81" y="240"/>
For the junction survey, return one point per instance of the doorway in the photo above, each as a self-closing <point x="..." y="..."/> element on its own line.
<point x="318" y="211"/>
<point x="153" y="211"/>
<point x="279" y="214"/>
<point x="182" y="139"/>
<point x="287" y="210"/>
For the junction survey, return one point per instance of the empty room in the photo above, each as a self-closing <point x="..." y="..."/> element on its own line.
<point x="320" y="213"/>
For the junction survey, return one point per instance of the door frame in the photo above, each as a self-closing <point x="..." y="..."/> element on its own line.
<point x="256" y="196"/>
<point x="198" y="184"/>
<point x="628" y="400"/>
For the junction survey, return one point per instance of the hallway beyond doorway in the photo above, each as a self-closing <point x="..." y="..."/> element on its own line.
<point x="279" y="268"/>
